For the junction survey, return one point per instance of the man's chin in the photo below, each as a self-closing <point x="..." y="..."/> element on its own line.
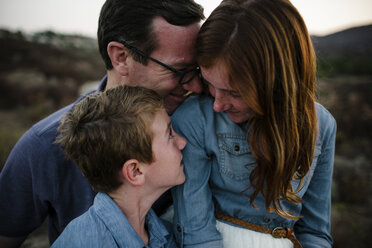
<point x="170" y="108"/>
<point x="172" y="103"/>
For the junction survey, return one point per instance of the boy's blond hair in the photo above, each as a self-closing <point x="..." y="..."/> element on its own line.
<point x="108" y="128"/>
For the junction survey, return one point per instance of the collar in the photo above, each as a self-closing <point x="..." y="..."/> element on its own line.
<point x="115" y="221"/>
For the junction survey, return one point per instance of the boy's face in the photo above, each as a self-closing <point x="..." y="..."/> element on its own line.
<point x="167" y="169"/>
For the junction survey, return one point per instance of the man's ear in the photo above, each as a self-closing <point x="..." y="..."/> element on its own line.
<point x="119" y="55"/>
<point x="132" y="171"/>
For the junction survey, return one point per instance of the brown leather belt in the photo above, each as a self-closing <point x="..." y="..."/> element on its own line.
<point x="277" y="232"/>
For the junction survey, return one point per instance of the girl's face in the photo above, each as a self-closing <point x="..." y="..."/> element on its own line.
<point x="225" y="98"/>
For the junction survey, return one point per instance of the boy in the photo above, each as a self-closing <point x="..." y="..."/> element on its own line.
<point x="123" y="142"/>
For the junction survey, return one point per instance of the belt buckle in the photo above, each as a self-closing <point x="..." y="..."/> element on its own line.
<point x="276" y="233"/>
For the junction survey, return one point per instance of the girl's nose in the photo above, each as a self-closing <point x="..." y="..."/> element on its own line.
<point x="220" y="103"/>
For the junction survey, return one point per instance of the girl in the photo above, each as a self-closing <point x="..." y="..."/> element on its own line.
<point x="260" y="151"/>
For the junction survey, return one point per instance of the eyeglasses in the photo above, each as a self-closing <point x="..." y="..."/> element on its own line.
<point x="184" y="76"/>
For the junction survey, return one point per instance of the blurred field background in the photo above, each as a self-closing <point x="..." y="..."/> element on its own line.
<point x="42" y="72"/>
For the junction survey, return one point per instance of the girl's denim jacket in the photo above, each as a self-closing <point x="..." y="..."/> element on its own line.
<point x="218" y="162"/>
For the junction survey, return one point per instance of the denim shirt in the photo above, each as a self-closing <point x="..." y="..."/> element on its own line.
<point x="218" y="162"/>
<point x="105" y="225"/>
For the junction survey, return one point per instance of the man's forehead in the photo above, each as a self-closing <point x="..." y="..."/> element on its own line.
<point x="167" y="33"/>
<point x="159" y="24"/>
<point x="175" y="44"/>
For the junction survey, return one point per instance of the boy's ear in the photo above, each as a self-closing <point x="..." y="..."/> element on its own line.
<point x="133" y="172"/>
<point x="119" y="55"/>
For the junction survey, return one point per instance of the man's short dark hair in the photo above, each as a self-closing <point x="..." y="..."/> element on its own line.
<point x="131" y="20"/>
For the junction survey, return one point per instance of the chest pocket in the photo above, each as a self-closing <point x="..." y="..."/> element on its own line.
<point x="235" y="159"/>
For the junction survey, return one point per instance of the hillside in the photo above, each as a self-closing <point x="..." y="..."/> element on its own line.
<point x="345" y="52"/>
<point x="40" y="73"/>
<point x="351" y="42"/>
<point x="45" y="66"/>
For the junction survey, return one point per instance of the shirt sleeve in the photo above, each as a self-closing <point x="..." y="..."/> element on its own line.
<point x="194" y="221"/>
<point x="21" y="209"/>
<point x="313" y="229"/>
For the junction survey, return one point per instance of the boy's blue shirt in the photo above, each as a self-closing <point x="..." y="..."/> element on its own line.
<point x="105" y="225"/>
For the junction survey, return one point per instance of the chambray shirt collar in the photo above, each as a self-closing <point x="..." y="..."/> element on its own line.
<point x="120" y="228"/>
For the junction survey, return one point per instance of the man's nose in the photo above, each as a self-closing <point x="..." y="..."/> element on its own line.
<point x="194" y="85"/>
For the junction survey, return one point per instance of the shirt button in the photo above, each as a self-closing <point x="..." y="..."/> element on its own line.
<point x="236" y="148"/>
<point x="267" y="220"/>
<point x="179" y="229"/>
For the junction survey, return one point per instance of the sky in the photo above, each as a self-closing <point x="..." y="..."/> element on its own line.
<point x="81" y="16"/>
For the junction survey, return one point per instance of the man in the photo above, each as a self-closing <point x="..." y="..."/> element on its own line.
<point x="148" y="43"/>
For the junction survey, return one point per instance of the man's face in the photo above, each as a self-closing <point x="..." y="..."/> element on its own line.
<point x="175" y="49"/>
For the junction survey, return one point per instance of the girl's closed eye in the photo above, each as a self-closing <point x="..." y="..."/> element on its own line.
<point x="235" y="94"/>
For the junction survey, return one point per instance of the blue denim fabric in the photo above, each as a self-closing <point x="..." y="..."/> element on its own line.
<point x="218" y="162"/>
<point x="105" y="225"/>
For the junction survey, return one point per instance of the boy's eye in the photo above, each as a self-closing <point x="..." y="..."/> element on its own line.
<point x="171" y="136"/>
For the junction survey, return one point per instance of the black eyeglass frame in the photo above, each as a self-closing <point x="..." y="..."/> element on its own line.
<point x="180" y="73"/>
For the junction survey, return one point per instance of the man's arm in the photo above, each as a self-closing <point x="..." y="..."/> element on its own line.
<point x="11" y="242"/>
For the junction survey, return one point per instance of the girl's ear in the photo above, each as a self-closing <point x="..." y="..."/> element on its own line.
<point x="133" y="173"/>
<point x="119" y="55"/>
